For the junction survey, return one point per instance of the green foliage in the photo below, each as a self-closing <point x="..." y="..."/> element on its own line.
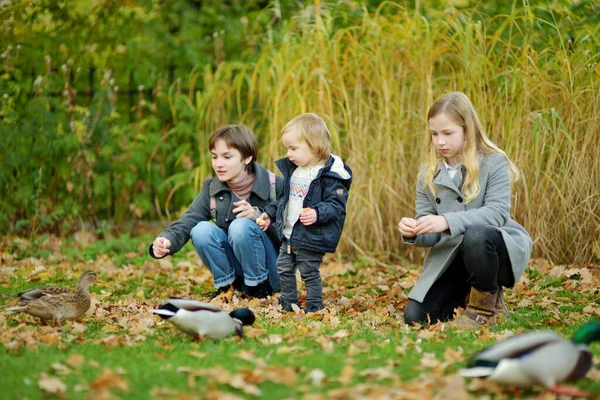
<point x="165" y="74"/>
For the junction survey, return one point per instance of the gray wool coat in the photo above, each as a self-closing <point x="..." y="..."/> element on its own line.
<point x="491" y="207"/>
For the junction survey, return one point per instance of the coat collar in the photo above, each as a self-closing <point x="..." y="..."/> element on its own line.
<point x="443" y="178"/>
<point x="261" y="187"/>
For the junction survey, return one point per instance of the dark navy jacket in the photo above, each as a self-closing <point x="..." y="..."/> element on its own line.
<point x="328" y="195"/>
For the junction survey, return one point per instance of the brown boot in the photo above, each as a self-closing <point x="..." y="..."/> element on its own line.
<point x="480" y="311"/>
<point x="500" y="308"/>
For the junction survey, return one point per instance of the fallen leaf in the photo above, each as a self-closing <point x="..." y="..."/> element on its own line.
<point x="51" y="384"/>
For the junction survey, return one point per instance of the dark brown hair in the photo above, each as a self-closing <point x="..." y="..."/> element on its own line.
<point x="238" y="137"/>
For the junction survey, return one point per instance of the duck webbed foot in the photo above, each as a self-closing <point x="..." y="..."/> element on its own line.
<point x="569" y="391"/>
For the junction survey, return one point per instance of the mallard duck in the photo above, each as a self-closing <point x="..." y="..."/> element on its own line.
<point x="537" y="358"/>
<point x="201" y="319"/>
<point x="57" y="302"/>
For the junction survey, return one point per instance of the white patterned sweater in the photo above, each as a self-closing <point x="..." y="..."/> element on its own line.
<point x="299" y="183"/>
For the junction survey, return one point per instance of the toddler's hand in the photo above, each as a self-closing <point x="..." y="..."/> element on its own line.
<point x="160" y="246"/>
<point x="308" y="216"/>
<point x="407" y="226"/>
<point x="263" y="221"/>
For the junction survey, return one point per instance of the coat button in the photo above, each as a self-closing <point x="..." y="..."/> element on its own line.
<point x="221" y="198"/>
<point x="226" y="219"/>
<point x="437" y="200"/>
<point x="459" y="199"/>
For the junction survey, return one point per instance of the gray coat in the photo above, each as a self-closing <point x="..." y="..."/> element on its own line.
<point x="491" y="207"/>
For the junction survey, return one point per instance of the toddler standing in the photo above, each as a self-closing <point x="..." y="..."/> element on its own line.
<point x="309" y="213"/>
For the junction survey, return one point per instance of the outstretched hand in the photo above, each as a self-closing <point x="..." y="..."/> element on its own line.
<point x="160" y="246"/>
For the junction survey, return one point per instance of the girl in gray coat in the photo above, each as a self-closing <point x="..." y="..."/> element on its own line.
<point x="463" y="214"/>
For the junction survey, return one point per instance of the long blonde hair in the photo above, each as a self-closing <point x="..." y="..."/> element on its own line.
<point x="458" y="108"/>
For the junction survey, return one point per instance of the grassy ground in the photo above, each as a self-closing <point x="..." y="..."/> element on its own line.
<point x="359" y="348"/>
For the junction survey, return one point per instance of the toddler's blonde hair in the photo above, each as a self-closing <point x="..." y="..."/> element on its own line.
<point x="313" y="131"/>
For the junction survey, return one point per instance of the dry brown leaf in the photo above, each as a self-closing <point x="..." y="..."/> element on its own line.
<point x="51" y="384"/>
<point x="346" y="374"/>
<point x="280" y="375"/>
<point x="110" y="380"/>
<point x="75" y="361"/>
<point x="237" y="382"/>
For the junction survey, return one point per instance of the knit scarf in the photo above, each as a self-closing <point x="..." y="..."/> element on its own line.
<point x="243" y="186"/>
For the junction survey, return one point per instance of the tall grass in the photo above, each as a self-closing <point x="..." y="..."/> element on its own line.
<point x="373" y="80"/>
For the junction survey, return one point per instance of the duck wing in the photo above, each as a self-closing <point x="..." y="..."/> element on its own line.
<point x="37" y="293"/>
<point x="484" y="363"/>
<point x="551" y="363"/>
<point x="194" y="305"/>
<point x="517" y="346"/>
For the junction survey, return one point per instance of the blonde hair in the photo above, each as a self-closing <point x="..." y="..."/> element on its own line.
<point x="458" y="108"/>
<point x="313" y="131"/>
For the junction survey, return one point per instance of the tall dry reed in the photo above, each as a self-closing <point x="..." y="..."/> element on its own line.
<point x="374" y="81"/>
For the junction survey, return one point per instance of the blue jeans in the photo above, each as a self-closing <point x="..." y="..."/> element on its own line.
<point x="244" y="251"/>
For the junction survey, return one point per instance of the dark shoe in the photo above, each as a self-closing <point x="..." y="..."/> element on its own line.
<point x="238" y="283"/>
<point x="314" y="307"/>
<point x="285" y="306"/>
<point x="260" y="291"/>
<point x="219" y="291"/>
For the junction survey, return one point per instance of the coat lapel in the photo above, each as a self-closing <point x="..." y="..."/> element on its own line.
<point x="442" y="178"/>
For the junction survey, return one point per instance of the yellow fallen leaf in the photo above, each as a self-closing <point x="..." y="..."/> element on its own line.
<point x="346" y="374"/>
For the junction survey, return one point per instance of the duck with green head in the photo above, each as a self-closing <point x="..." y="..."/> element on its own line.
<point x="537" y="358"/>
<point x="201" y="319"/>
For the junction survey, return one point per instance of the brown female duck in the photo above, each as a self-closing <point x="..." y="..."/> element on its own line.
<point x="57" y="302"/>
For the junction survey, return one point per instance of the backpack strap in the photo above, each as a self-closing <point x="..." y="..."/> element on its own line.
<point x="213" y="205"/>
<point x="272" y="187"/>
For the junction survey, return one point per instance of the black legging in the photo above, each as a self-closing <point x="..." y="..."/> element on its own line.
<point x="482" y="262"/>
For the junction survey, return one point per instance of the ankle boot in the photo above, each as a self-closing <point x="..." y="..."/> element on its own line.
<point x="480" y="311"/>
<point x="500" y="308"/>
<point x="260" y="291"/>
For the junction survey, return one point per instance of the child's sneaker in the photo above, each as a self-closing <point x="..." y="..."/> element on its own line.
<point x="313" y="307"/>
<point x="285" y="306"/>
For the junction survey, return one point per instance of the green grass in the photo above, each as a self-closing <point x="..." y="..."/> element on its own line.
<point x="361" y="346"/>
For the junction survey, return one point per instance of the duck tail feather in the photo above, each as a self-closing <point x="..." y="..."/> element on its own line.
<point x="163" y="313"/>
<point x="15" y="309"/>
<point x="476" y="372"/>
